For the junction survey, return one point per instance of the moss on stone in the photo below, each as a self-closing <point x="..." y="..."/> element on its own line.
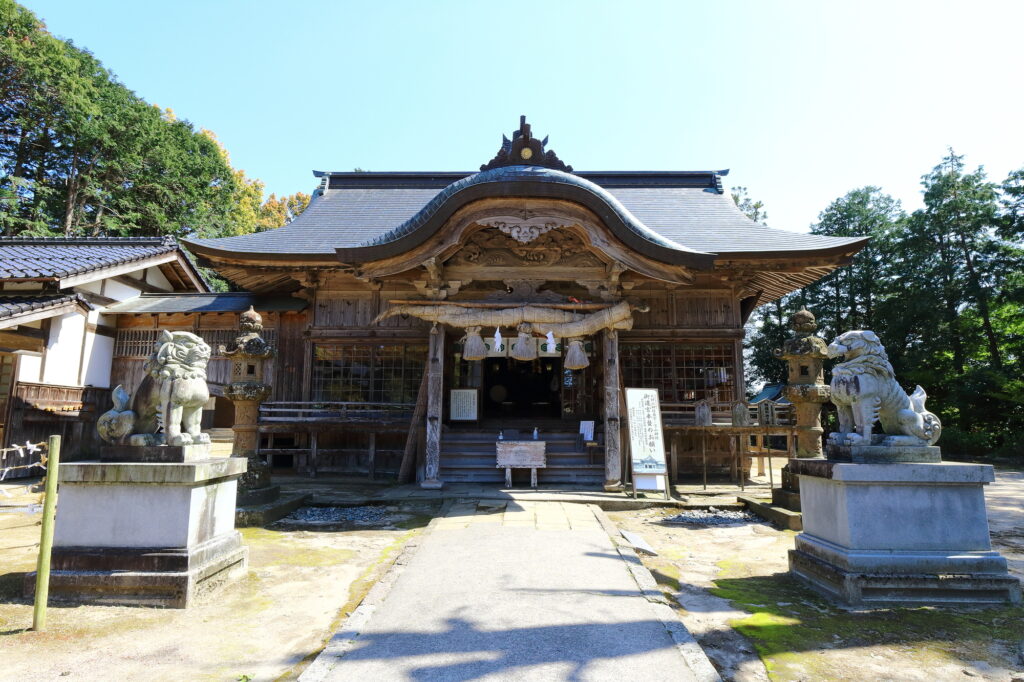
<point x="788" y="620"/>
<point x="284" y="548"/>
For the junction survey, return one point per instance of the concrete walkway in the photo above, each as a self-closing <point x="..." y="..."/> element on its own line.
<point x="516" y="591"/>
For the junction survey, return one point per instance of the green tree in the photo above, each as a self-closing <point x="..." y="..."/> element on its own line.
<point x="276" y="212"/>
<point x="848" y="298"/>
<point x="766" y="329"/>
<point x="751" y="208"/>
<point x="82" y="154"/>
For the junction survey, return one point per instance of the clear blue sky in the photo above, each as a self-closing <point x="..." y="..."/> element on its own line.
<point x="802" y="100"/>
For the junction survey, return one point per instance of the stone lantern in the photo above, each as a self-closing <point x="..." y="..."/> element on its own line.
<point x="806" y="388"/>
<point x="249" y="354"/>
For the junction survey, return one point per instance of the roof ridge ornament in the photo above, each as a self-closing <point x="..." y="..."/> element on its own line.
<point x="525" y="150"/>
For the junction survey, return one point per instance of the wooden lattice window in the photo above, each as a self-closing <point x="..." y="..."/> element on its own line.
<point x="139" y="343"/>
<point x="682" y="372"/>
<point x="381" y="373"/>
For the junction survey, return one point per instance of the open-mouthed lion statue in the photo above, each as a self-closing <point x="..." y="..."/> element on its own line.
<point x="865" y="390"/>
<point x="170" y="397"/>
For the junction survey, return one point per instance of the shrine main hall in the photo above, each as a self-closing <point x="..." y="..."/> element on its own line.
<point x="420" y="316"/>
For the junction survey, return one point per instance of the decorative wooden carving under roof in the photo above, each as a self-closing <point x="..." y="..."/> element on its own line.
<point x="525" y="150"/>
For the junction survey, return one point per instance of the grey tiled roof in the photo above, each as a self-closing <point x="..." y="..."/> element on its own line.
<point x="687" y="208"/>
<point x="57" y="257"/>
<point x="211" y="303"/>
<point x="11" y="306"/>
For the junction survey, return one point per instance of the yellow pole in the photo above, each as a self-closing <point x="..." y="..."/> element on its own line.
<point x="46" y="541"/>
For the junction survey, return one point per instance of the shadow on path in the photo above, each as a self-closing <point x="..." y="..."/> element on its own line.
<point x="465" y="652"/>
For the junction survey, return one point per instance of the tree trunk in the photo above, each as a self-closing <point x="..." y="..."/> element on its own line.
<point x="950" y="307"/>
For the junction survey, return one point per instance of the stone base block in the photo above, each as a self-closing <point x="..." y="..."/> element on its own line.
<point x="169" y="577"/>
<point x="250" y="497"/>
<point x="787" y="499"/>
<point x="169" y="454"/>
<point x="431" y="485"/>
<point x="146" y="533"/>
<point x="899" y="532"/>
<point x="884" y="454"/>
<point x="858" y="588"/>
<point x="262" y="514"/>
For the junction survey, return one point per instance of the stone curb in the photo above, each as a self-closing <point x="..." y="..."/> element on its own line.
<point x="691" y="652"/>
<point x="344" y="639"/>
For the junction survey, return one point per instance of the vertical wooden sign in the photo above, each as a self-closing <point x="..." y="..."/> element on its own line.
<point x="646" y="440"/>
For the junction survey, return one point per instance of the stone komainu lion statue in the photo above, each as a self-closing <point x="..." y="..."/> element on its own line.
<point x="170" y="397"/>
<point x="865" y="390"/>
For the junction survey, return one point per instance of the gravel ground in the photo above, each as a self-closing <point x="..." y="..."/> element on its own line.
<point x="318" y="516"/>
<point x="713" y="517"/>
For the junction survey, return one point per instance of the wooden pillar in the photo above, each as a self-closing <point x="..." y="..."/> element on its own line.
<point x="435" y="397"/>
<point x="612" y="439"/>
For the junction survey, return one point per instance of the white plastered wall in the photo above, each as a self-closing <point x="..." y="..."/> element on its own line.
<point x="64" y="350"/>
<point x="99" y="348"/>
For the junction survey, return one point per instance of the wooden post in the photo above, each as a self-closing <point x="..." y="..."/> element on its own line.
<point x="435" y="399"/>
<point x="673" y="469"/>
<point x="313" y="448"/>
<point x="408" y="467"/>
<point x="612" y="412"/>
<point x="704" y="457"/>
<point x="372" y="464"/>
<point x="46" y="539"/>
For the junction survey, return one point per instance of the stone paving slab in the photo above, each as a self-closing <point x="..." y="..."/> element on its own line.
<point x="515" y="591"/>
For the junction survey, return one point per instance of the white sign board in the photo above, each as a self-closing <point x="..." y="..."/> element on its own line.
<point x="646" y="443"/>
<point x="463" y="404"/>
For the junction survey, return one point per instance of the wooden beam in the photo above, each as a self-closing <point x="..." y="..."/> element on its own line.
<point x="435" y="398"/>
<point x="122" y="269"/>
<point x="101" y="329"/>
<point x="11" y="340"/>
<point x="96" y="299"/>
<point x="144" y="287"/>
<point x="503" y="305"/>
<point x="612" y="424"/>
<point x="407" y="468"/>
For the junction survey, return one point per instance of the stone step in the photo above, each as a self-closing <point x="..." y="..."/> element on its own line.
<point x="780" y="516"/>
<point x="788" y="499"/>
<point x="458" y="461"/>
<point x="492" y="438"/>
<point x="489" y="448"/>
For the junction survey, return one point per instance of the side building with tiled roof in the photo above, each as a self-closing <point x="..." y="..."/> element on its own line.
<point x="56" y="340"/>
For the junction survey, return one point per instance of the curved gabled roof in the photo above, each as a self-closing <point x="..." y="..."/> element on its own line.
<point x="680" y="217"/>
<point x="525" y="181"/>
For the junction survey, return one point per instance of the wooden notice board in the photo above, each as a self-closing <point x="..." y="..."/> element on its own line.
<point x="646" y="441"/>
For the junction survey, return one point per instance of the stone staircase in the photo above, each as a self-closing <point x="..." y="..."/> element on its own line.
<point x="468" y="455"/>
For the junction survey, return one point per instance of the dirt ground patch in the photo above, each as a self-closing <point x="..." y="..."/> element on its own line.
<point x="756" y="623"/>
<point x="302" y="581"/>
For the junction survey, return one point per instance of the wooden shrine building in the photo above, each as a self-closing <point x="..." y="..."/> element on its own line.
<point x="386" y="293"/>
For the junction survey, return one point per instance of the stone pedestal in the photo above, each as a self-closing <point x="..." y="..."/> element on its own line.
<point x="898" y="532"/>
<point x="169" y="454"/>
<point x="146" y="533"/>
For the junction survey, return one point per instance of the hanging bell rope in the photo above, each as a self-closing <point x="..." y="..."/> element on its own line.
<point x="524" y="349"/>
<point x="473" y="347"/>
<point x="575" y="356"/>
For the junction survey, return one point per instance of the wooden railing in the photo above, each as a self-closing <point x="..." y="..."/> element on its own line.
<point x="40" y="410"/>
<point x="765" y="413"/>
<point x="309" y="420"/>
<point x="333" y="412"/>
